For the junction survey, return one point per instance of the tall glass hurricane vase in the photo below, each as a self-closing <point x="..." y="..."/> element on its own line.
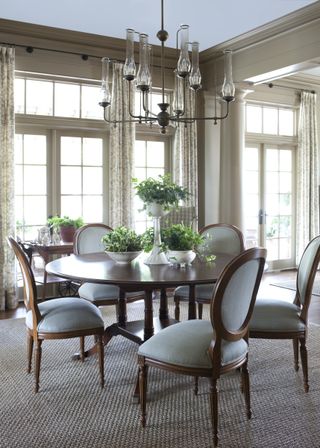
<point x="156" y="256"/>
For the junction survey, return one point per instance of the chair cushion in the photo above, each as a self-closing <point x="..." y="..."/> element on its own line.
<point x="66" y="314"/>
<point x="98" y="292"/>
<point x="202" y="292"/>
<point x="187" y="343"/>
<point x="274" y="315"/>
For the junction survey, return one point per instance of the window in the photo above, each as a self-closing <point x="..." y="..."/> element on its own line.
<point x="272" y="120"/>
<point x="150" y="161"/>
<point x="81" y="174"/>
<point x="31" y="183"/>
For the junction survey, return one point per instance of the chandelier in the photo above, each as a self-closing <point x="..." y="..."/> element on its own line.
<point x="187" y="75"/>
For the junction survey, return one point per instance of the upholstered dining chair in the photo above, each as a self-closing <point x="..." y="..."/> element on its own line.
<point x="277" y="319"/>
<point x="61" y="318"/>
<point x="210" y="348"/>
<point x="88" y="239"/>
<point x="218" y="238"/>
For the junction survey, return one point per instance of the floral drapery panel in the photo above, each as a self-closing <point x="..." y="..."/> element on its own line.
<point x="307" y="173"/>
<point x="185" y="160"/>
<point x="8" y="297"/>
<point x="121" y="153"/>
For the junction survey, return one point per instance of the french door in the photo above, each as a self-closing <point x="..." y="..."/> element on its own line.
<point x="269" y="201"/>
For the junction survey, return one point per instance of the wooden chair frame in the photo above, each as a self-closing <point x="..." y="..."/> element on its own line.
<point x="219" y="333"/>
<point x="202" y="301"/>
<point x="34" y="336"/>
<point x="297" y="336"/>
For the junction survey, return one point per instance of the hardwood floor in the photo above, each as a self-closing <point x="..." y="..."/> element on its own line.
<point x="266" y="289"/>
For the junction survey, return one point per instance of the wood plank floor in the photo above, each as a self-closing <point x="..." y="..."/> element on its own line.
<point x="266" y="290"/>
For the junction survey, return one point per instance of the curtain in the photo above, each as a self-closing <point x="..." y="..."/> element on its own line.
<point x="307" y="173"/>
<point x="8" y="298"/>
<point x="185" y="158"/>
<point x="121" y="153"/>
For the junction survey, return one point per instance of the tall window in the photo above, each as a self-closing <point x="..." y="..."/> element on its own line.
<point x="150" y="161"/>
<point x="31" y="183"/>
<point x="269" y="167"/>
<point x="81" y="166"/>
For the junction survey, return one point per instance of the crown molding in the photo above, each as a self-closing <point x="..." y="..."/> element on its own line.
<point x="288" y="23"/>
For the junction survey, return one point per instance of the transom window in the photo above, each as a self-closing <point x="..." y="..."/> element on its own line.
<point x="272" y="120"/>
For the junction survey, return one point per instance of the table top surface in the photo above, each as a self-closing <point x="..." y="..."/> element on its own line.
<point x="99" y="268"/>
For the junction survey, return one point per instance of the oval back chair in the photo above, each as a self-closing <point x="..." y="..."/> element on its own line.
<point x="218" y="238"/>
<point x="62" y="318"/>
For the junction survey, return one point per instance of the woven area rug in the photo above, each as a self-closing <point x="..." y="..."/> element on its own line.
<point x="71" y="410"/>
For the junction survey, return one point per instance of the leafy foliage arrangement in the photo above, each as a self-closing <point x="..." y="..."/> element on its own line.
<point x="161" y="191"/>
<point x="65" y="221"/>
<point x="122" y="239"/>
<point x="175" y="237"/>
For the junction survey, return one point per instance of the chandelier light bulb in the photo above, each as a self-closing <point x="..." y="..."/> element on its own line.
<point x="195" y="75"/>
<point x="129" y="68"/>
<point x="228" y="88"/>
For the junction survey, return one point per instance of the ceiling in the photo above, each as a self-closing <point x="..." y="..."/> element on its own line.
<point x="211" y="21"/>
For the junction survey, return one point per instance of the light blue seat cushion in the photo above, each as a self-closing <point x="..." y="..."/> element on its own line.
<point x="99" y="292"/>
<point x="66" y="314"/>
<point x="275" y="315"/>
<point x="187" y="343"/>
<point x="202" y="291"/>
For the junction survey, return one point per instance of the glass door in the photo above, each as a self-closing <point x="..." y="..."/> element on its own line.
<point x="269" y="202"/>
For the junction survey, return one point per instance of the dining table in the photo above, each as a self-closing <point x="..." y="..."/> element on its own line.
<point x="138" y="276"/>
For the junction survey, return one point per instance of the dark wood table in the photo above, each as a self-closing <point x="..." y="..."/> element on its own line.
<point x="99" y="268"/>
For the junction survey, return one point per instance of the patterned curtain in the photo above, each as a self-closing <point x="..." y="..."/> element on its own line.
<point x="122" y="139"/>
<point x="185" y="159"/>
<point x="307" y="173"/>
<point x="8" y="297"/>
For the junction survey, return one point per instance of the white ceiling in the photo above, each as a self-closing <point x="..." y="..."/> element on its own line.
<point x="211" y="21"/>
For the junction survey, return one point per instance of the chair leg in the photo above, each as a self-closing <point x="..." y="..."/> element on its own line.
<point x="295" y="343"/>
<point x="38" y="353"/>
<point x="29" y="351"/>
<point x="177" y="309"/>
<point x="200" y="310"/>
<point x="304" y="363"/>
<point x="246" y="387"/>
<point x="82" y="348"/>
<point x="101" y="358"/>
<point x="214" y="409"/>
<point x="143" y="376"/>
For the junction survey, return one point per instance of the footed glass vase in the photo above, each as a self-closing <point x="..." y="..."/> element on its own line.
<point x="156" y="256"/>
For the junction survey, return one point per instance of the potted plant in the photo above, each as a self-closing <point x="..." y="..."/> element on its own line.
<point x="66" y="226"/>
<point x="160" y="194"/>
<point x="179" y="243"/>
<point x="122" y="244"/>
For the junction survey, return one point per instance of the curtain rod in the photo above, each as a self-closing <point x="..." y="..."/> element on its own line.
<point x="271" y="85"/>
<point x="84" y="56"/>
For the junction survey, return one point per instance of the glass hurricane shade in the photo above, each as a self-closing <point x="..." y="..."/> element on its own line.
<point x="228" y="88"/>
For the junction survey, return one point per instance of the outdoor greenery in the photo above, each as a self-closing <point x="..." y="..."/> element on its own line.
<point x="160" y="191"/>
<point x="122" y="239"/>
<point x="58" y="222"/>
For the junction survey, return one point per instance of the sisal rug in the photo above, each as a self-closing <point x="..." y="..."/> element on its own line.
<point x="71" y="410"/>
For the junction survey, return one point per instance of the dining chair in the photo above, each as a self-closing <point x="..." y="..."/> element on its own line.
<point x="88" y="239"/>
<point x="277" y="319"/>
<point x="210" y="348"/>
<point x="218" y="238"/>
<point x="61" y="318"/>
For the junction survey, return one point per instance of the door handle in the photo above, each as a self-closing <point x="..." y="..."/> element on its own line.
<point x="262" y="216"/>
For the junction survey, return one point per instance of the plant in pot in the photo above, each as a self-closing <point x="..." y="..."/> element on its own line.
<point x="122" y="244"/>
<point x="179" y="243"/>
<point x="159" y="196"/>
<point x="65" y="226"/>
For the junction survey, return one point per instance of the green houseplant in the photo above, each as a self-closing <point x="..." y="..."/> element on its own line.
<point x="161" y="191"/>
<point x="122" y="244"/>
<point x="65" y="225"/>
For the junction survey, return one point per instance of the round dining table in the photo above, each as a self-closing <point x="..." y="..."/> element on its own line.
<point x="138" y="276"/>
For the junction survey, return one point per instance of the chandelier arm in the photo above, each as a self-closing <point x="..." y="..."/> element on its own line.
<point x="192" y="119"/>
